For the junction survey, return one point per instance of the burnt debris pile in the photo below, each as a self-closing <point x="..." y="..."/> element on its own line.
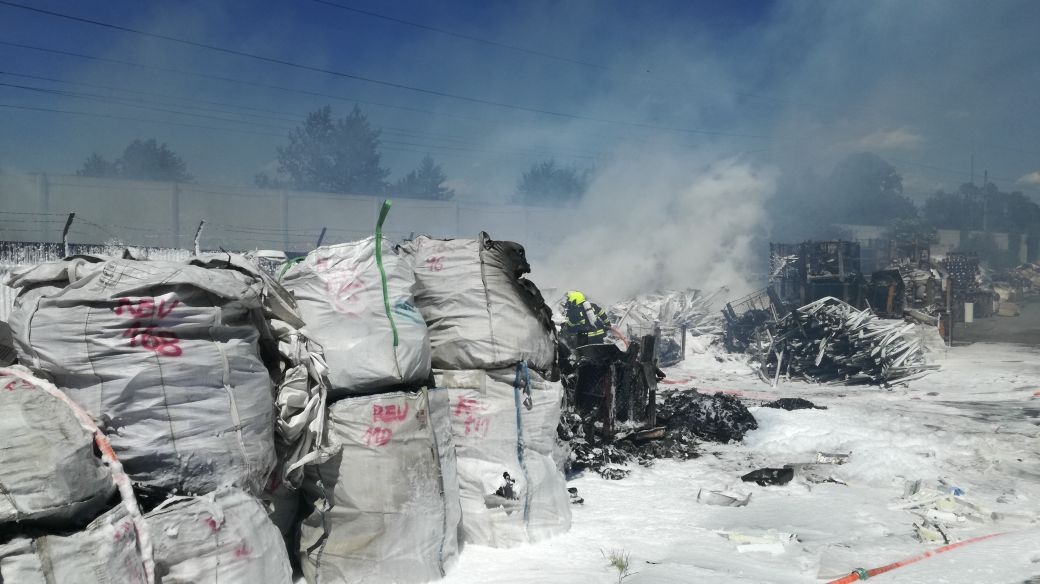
<point x="685" y="420"/>
<point x="832" y="341"/>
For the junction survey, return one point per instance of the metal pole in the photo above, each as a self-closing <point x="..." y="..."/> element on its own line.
<point x="65" y="233"/>
<point x="321" y="237"/>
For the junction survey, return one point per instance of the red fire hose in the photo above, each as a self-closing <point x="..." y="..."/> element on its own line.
<point x="861" y="574"/>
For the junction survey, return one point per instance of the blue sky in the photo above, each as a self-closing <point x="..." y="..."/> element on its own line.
<point x="796" y="85"/>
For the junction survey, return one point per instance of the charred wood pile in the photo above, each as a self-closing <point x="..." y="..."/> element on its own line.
<point x="831" y="341"/>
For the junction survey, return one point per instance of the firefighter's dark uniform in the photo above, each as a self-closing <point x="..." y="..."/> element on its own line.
<point x="586" y="322"/>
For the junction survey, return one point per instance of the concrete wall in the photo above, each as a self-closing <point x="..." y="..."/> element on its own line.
<point x="33" y="207"/>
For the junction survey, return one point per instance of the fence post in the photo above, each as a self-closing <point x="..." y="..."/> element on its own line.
<point x="44" y="194"/>
<point x="285" y="220"/>
<point x="175" y="214"/>
<point x="198" y="235"/>
<point x="65" y="233"/>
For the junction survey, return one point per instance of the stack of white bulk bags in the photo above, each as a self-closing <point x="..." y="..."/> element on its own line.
<point x="385" y="500"/>
<point x="380" y="495"/>
<point x="494" y="350"/>
<point x="164" y="355"/>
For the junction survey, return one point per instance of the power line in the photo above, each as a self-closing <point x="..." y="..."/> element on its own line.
<point x="244" y="82"/>
<point x="463" y="36"/>
<point x="948" y="171"/>
<point x="472" y="147"/>
<point x="531" y="51"/>
<point x="239" y="81"/>
<point x="105" y="99"/>
<point x="277" y="115"/>
<point x="134" y="119"/>
<point x="412" y="133"/>
<point x="123" y="101"/>
<point x="343" y="74"/>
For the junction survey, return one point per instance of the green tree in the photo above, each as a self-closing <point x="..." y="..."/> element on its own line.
<point x="865" y="189"/>
<point x="142" y="160"/>
<point x="331" y="155"/>
<point x="425" y="182"/>
<point x="546" y="183"/>
<point x="949" y="211"/>
<point x="96" y="165"/>
<point x="983" y="208"/>
<point x="861" y="189"/>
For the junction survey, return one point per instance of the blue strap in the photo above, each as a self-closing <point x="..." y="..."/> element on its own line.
<point x="521" y="368"/>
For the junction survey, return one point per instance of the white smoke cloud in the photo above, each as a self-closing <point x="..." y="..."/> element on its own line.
<point x="898" y="139"/>
<point x="663" y="221"/>
<point x="1032" y="178"/>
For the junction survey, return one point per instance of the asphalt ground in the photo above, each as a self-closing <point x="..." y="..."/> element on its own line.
<point x="1023" y="329"/>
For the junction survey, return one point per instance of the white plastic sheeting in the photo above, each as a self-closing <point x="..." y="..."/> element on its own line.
<point x="481" y="312"/>
<point x="164" y="355"/>
<point x="104" y="553"/>
<point x="504" y="428"/>
<point x="221" y="538"/>
<point x="386" y="503"/>
<point x="339" y="291"/>
<point x="48" y="470"/>
<point x="688" y="308"/>
<point x="300" y="404"/>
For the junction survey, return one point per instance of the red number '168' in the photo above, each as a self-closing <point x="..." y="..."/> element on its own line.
<point x="164" y="343"/>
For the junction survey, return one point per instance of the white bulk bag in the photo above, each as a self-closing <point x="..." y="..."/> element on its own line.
<point x="221" y="538"/>
<point x="105" y="552"/>
<point x="482" y="314"/>
<point x="49" y="472"/>
<point x="386" y="505"/>
<point x="164" y="356"/>
<point x="339" y="292"/>
<point x="512" y="490"/>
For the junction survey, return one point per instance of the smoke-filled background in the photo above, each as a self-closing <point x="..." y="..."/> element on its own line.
<point x="692" y="220"/>
<point x="697" y="131"/>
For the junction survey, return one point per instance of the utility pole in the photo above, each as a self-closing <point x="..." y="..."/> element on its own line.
<point x="985" y="201"/>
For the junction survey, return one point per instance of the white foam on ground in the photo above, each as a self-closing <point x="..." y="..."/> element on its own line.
<point x="973" y="424"/>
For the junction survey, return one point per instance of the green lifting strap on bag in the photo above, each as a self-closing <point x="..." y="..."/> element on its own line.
<point x="382" y="271"/>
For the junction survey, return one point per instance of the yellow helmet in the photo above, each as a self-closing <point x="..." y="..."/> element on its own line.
<point x="575" y="297"/>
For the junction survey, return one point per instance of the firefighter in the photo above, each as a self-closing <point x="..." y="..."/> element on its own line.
<point x="586" y="324"/>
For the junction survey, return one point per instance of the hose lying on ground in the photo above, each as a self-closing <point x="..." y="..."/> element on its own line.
<point x="861" y="574"/>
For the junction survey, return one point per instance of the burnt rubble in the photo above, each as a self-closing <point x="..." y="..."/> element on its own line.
<point x="685" y="419"/>
<point x="832" y="341"/>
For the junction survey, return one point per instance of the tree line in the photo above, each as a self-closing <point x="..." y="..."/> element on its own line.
<point x="865" y="189"/>
<point x="341" y="155"/>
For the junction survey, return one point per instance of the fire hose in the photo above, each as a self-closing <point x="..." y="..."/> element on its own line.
<point x="862" y="574"/>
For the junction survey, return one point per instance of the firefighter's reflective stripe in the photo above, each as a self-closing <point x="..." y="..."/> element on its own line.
<point x="586" y="316"/>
